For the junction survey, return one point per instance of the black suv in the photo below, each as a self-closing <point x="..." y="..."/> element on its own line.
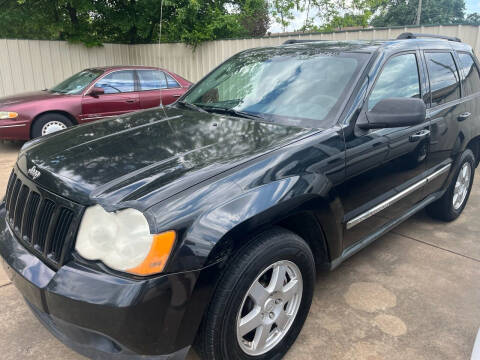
<point x="205" y="222"/>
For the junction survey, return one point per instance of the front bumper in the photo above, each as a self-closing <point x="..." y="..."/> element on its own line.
<point x="108" y="317"/>
<point x="14" y="130"/>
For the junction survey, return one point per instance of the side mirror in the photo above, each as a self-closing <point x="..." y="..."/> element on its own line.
<point x="96" y="92"/>
<point x="394" y="112"/>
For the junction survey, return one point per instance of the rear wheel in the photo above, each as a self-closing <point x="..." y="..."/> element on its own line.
<point x="262" y="300"/>
<point x="451" y="204"/>
<point x="50" y="123"/>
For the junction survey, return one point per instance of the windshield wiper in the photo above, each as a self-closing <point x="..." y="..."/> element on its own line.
<point x="233" y="112"/>
<point x="191" y="106"/>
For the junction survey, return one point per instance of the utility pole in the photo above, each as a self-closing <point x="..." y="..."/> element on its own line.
<point x="419" y="13"/>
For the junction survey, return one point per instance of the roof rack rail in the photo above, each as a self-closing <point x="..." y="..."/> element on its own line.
<point x="293" y="41"/>
<point x="409" y="35"/>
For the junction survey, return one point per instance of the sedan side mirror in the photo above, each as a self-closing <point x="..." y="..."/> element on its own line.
<point x="96" y="92"/>
<point x="394" y="112"/>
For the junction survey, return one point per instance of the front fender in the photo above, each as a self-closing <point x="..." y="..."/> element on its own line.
<point x="210" y="234"/>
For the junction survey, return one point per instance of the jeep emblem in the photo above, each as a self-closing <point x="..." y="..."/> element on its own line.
<point x="34" y="173"/>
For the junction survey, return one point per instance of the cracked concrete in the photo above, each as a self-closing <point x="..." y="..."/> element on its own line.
<point x="413" y="294"/>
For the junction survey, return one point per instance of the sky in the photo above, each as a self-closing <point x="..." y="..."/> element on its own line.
<point x="470" y="5"/>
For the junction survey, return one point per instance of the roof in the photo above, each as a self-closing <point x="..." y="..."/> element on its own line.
<point x="125" y="67"/>
<point x="373" y="45"/>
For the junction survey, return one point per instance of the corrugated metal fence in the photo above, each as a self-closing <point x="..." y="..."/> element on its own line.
<point x="33" y="65"/>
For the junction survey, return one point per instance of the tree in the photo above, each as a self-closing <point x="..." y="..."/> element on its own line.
<point x="473" y="19"/>
<point x="133" y="21"/>
<point x="255" y="17"/>
<point x="282" y="11"/>
<point x="404" y="12"/>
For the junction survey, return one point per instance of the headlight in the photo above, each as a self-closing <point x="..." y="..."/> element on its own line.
<point x="123" y="242"/>
<point x="8" y="115"/>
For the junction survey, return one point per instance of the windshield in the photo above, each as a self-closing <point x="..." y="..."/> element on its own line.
<point x="78" y="82"/>
<point x="302" y="87"/>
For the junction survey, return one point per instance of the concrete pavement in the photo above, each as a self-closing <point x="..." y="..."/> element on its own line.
<point x="413" y="294"/>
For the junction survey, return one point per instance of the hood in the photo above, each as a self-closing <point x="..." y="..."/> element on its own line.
<point x="24" y="98"/>
<point x="147" y="156"/>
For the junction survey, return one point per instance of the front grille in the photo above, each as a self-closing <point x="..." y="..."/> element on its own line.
<point x="45" y="223"/>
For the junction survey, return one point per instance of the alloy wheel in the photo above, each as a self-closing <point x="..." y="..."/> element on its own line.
<point x="269" y="308"/>
<point x="462" y="186"/>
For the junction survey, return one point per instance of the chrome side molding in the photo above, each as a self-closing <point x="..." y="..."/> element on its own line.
<point x="385" y="204"/>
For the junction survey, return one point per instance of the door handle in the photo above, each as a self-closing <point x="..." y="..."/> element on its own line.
<point x="464" y="116"/>
<point x="176" y="96"/>
<point x="130" y="101"/>
<point x="423" y="134"/>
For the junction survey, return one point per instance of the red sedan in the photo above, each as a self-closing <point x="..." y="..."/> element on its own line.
<point x="91" y="94"/>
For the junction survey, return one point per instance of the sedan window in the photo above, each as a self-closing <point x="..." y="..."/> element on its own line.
<point x="77" y="83"/>
<point x="118" y="82"/>
<point x="152" y="80"/>
<point x="172" y="83"/>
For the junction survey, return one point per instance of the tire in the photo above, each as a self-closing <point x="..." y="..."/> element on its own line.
<point x="51" y="123"/>
<point x="218" y="338"/>
<point x="444" y="208"/>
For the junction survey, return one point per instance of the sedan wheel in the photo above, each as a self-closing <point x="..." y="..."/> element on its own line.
<point x="53" y="126"/>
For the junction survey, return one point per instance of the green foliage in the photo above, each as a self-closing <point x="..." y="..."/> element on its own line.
<point x="404" y="12"/>
<point x="473" y="19"/>
<point x="93" y="22"/>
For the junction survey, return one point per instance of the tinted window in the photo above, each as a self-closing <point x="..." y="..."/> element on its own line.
<point x="443" y="74"/>
<point x="172" y="83"/>
<point x="118" y="82"/>
<point x="152" y="80"/>
<point x="399" y="78"/>
<point x="472" y="78"/>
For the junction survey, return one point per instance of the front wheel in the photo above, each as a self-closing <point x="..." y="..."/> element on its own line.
<point x="451" y="204"/>
<point x="49" y="124"/>
<point x="262" y="300"/>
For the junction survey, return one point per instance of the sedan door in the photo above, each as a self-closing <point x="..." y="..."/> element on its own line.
<point x="174" y="90"/>
<point x="156" y="85"/>
<point x="120" y="96"/>
<point x="385" y="167"/>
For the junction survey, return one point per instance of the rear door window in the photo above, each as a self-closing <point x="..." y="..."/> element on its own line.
<point x="399" y="78"/>
<point x="172" y="83"/>
<point x="444" y="79"/>
<point x="152" y="80"/>
<point x="471" y="83"/>
<point x="118" y="82"/>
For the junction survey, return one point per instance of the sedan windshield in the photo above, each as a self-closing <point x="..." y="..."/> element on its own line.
<point x="78" y="82"/>
<point x="300" y="86"/>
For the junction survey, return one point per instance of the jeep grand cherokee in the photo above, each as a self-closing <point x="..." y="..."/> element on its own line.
<point x="205" y="222"/>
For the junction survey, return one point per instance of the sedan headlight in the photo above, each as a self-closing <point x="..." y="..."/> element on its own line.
<point x="122" y="241"/>
<point x="8" y="115"/>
